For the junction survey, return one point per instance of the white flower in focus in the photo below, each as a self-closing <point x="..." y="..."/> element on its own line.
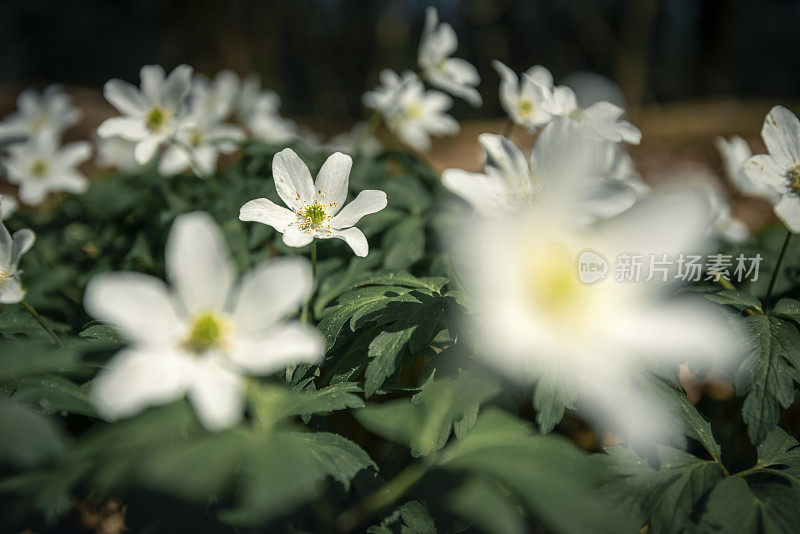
<point x="411" y="113"/>
<point x="152" y="113"/>
<point x="565" y="177"/>
<point x="522" y="99"/>
<point x="599" y="121"/>
<point x="39" y="166"/>
<point x="316" y="210"/>
<point x="199" y="143"/>
<point x="8" y="205"/>
<point x="215" y="98"/>
<point x="454" y="75"/>
<point x="538" y="321"/>
<point x="116" y="153"/>
<point x="11" y="249"/>
<point x="51" y="111"/>
<point x="200" y="336"/>
<point x="779" y="171"/>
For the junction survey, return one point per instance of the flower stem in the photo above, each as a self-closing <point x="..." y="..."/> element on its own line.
<point x="350" y="519"/>
<point x="777" y="268"/>
<point x="307" y="315"/>
<point x="38" y="319"/>
<point x="509" y="129"/>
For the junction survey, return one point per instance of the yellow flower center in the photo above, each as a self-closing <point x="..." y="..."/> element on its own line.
<point x="551" y="280"/>
<point x="39" y="168"/>
<point x="525" y="107"/>
<point x="208" y="331"/>
<point x="315" y="214"/>
<point x="196" y="139"/>
<point x="155" y="119"/>
<point x="793" y="178"/>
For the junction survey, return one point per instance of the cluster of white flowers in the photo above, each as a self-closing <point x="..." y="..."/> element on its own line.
<point x="34" y="158"/>
<point x="411" y="112"/>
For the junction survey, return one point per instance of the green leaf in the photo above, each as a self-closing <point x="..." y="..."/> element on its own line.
<point x="404" y="243"/>
<point x="779" y="455"/>
<point x="787" y="309"/>
<point x="28" y="438"/>
<point x="736" y="506"/>
<point x="550" y="477"/>
<point x="21" y="359"/>
<point x="553" y="395"/>
<point x="696" y="425"/>
<point x="413" y="518"/>
<point x="765" y="378"/>
<point x="667" y="496"/>
<point x="275" y="403"/>
<point x="424" y="423"/>
<point x="731" y="297"/>
<point x="102" y="332"/>
<point x="53" y="394"/>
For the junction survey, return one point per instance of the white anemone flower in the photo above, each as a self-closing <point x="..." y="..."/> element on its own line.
<point x="779" y="171"/>
<point x="201" y="335"/>
<point x="215" y="98"/>
<point x="8" y="205"/>
<point x="411" y="113"/>
<point x="316" y="210"/>
<point x="152" y="113"/>
<point x="522" y="99"/>
<point x="599" y="121"/>
<point x="12" y="247"/>
<point x="735" y="152"/>
<point x="197" y="145"/>
<point x="454" y="75"/>
<point x="51" y="111"/>
<point x="39" y="166"/>
<point x="565" y="174"/>
<point x="259" y="111"/>
<point x="723" y="224"/>
<point x="593" y="341"/>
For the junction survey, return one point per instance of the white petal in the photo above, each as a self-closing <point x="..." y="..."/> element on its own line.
<point x="265" y="211"/>
<point x="788" y="211"/>
<point x="71" y="181"/>
<point x="284" y="344"/>
<point x="22" y="243"/>
<point x="137" y="304"/>
<point x="368" y="201"/>
<point x="216" y="394"/>
<point x="479" y="190"/>
<point x="292" y="179"/>
<point x="353" y="237"/>
<point x="540" y="75"/>
<point x="139" y="378"/>
<point x="146" y="149"/>
<point x="173" y="161"/>
<point x="294" y="236"/>
<point x="765" y="172"/>
<point x="271" y="291"/>
<point x="152" y="78"/>
<point x="198" y="262"/>
<point x="32" y="191"/>
<point x="11" y="291"/>
<point x="125" y="97"/>
<point x="502" y="153"/>
<point x="74" y="154"/>
<point x="332" y="181"/>
<point x="176" y="87"/>
<point x="781" y="134"/>
<point x="131" y="128"/>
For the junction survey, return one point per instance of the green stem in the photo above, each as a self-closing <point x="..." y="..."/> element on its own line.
<point x="350" y="519"/>
<point x="509" y="129"/>
<point x="725" y="283"/>
<point x="307" y="315"/>
<point x="777" y="268"/>
<point x="38" y="319"/>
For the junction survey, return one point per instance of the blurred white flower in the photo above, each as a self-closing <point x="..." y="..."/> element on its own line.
<point x="8" y="205"/>
<point x="348" y="142"/>
<point x="116" y="153"/>
<point x="152" y="113"/>
<point x="779" y="171"/>
<point x="454" y="75"/>
<point x="201" y="335"/>
<point x="11" y="249"/>
<point x="735" y="152"/>
<point x="315" y="209"/>
<point x="565" y="176"/>
<point x="522" y="99"/>
<point x="199" y="144"/>
<point x="599" y="121"/>
<point x="259" y="111"/>
<point x="39" y="166"/>
<point x="723" y="224"/>
<point x="538" y="321"/>
<point x="411" y="113"/>
<point x="618" y="165"/>
<point x="51" y="111"/>
<point x="215" y="98"/>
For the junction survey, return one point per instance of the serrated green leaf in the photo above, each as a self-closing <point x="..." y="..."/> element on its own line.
<point x="28" y="438"/>
<point x="765" y="378"/>
<point x="404" y="243"/>
<point x="736" y="506"/>
<point x="53" y="394"/>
